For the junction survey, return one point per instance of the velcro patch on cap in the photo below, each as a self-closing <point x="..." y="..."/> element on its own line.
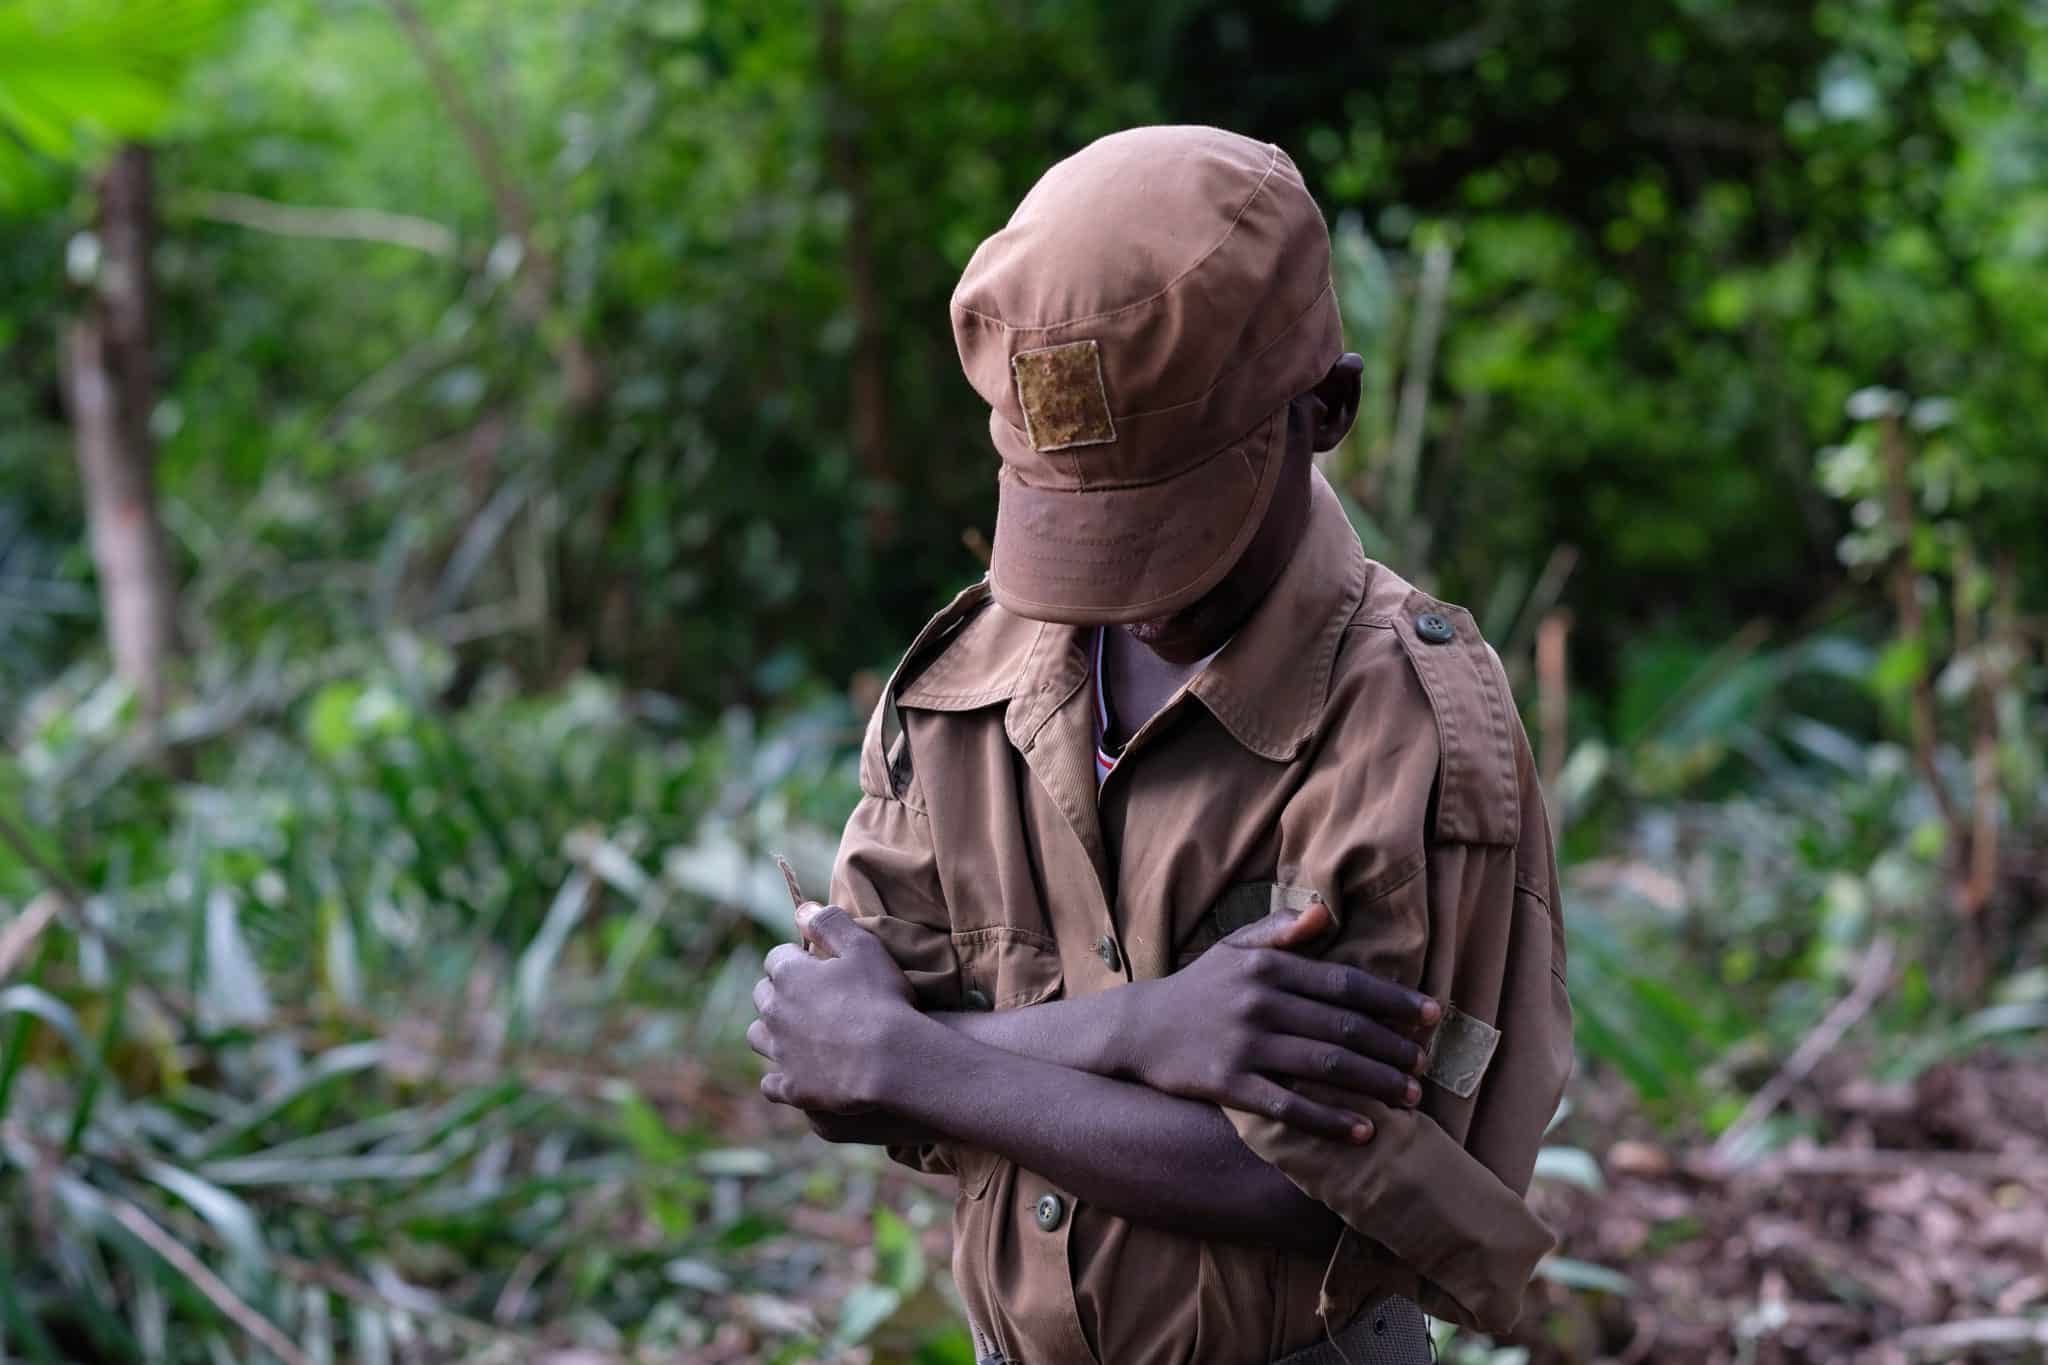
<point x="1060" y="390"/>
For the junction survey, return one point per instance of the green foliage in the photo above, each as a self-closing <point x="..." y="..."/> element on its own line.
<point x="498" y="685"/>
<point x="407" y="1067"/>
<point x="1650" y="324"/>
<point x="77" y="75"/>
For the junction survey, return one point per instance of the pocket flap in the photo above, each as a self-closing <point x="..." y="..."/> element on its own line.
<point x="1007" y="966"/>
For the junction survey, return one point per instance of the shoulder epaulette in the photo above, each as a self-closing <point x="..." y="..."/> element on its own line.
<point x="1479" y="790"/>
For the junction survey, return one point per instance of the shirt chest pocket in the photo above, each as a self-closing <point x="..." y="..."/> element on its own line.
<point x="1242" y="904"/>
<point x="1003" y="967"/>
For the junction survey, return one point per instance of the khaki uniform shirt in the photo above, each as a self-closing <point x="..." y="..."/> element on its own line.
<point x="1355" y="739"/>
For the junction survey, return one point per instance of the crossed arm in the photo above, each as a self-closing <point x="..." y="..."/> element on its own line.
<point x="1115" y="1096"/>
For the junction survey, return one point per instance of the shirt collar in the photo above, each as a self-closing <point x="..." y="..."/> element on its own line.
<point x="1269" y="685"/>
<point x="1266" y="686"/>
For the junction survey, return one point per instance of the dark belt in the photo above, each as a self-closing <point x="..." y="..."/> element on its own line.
<point x="1390" y="1332"/>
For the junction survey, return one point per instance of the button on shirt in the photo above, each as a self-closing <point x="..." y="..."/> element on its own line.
<point x="1329" y="749"/>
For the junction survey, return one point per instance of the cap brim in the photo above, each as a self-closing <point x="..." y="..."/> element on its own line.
<point x="1114" y="555"/>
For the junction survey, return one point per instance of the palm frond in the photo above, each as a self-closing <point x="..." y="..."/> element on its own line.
<point x="76" y="75"/>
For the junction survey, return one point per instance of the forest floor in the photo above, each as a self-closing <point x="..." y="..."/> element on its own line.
<point x="1910" y="1225"/>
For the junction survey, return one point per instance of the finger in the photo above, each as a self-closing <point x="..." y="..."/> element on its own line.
<point x="764" y="991"/>
<point x="759" y="1039"/>
<point x="775" y="1086"/>
<point x="1282" y="1105"/>
<point x="1328" y="1064"/>
<point x="1289" y="929"/>
<point x="1390" y="1003"/>
<point x="832" y="929"/>
<point x="782" y="957"/>
<point x="1360" y="1033"/>
<point x="802" y="917"/>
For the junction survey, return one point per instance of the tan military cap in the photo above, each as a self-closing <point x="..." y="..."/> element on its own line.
<point x="1138" y="328"/>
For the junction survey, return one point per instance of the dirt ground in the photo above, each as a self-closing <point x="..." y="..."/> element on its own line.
<point x="1912" y="1226"/>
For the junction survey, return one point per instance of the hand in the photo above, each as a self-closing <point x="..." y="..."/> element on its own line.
<point x="1253" y="1014"/>
<point x="871" y="1127"/>
<point x="825" y="1022"/>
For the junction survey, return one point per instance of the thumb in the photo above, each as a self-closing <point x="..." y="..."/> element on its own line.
<point x="828" y="929"/>
<point x="1287" y="928"/>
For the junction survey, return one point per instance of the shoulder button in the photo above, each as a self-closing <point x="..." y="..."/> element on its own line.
<point x="1435" y="628"/>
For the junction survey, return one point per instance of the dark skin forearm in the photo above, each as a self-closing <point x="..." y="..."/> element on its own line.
<point x="1165" y="1162"/>
<point x="1107" y="1035"/>
<point x="1113" y="1097"/>
<point x="1078" y="1035"/>
<point x="1088" y="1033"/>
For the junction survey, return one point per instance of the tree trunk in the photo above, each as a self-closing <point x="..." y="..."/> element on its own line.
<point x="848" y="169"/>
<point x="110" y="389"/>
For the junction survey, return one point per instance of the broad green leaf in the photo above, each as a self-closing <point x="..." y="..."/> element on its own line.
<point x="234" y="1221"/>
<point x="38" y="1003"/>
<point x="865" y="1309"/>
<point x="235" y="993"/>
<point x="331" y="719"/>
<point x="736" y="1161"/>
<point x="571" y="902"/>
<point x="650" y="1136"/>
<point x="899" y="1260"/>
<point x="952" y="1346"/>
<point x="1584" y="1275"/>
<point x="1571" y="1166"/>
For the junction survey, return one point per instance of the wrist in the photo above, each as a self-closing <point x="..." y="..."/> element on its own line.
<point x="902" y="1039"/>
<point x="1122" y="1042"/>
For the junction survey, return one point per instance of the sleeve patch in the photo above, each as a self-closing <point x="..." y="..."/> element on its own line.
<point x="1461" y="1051"/>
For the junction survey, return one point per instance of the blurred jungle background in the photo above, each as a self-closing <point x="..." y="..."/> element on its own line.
<point x="467" y="465"/>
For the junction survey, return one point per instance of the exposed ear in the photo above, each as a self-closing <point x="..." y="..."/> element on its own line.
<point x="1338" y="395"/>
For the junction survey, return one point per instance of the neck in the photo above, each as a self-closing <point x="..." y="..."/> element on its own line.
<point x="1138" y="682"/>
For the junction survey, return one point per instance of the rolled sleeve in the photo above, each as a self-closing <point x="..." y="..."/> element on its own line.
<point x="1421" y="820"/>
<point x="886" y="877"/>
<point x="1414" y="1189"/>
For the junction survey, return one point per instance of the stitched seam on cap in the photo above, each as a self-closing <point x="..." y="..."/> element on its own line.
<point x="1237" y="442"/>
<point x="1139" y="606"/>
<point x="1221" y="379"/>
<point x="1233" y="443"/>
<point x="1272" y="165"/>
<point x="1254" y="357"/>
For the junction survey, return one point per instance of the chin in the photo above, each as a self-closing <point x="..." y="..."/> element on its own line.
<point x="1177" y="642"/>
